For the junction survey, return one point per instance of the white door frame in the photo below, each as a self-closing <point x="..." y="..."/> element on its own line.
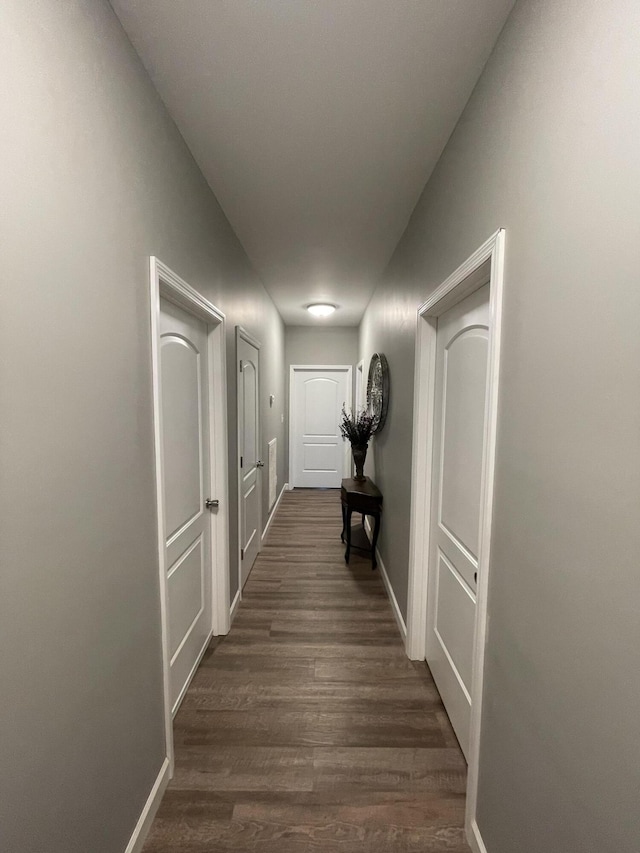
<point x="471" y="275"/>
<point x="246" y="336"/>
<point x="166" y="284"/>
<point x="347" y="368"/>
<point x="360" y="393"/>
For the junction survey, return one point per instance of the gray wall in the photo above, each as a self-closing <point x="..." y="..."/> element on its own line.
<point x="318" y="345"/>
<point x="548" y="149"/>
<point x="323" y="345"/>
<point x="95" y="178"/>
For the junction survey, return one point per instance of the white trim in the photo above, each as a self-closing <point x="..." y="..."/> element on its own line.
<point x="471" y="275"/>
<point x="234" y="605"/>
<point x="248" y="337"/>
<point x="395" y="607"/>
<point x="139" y="835"/>
<point x="166" y="284"/>
<point x="183" y="692"/>
<point x="346" y="368"/>
<point x="475" y="838"/>
<point x="272" y="444"/>
<point x="273" y="511"/>
<point x="220" y="478"/>
<point x="392" y="597"/>
<point x="242" y="333"/>
<point x="484" y="556"/>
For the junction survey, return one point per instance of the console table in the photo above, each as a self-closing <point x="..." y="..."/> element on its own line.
<point x="365" y="498"/>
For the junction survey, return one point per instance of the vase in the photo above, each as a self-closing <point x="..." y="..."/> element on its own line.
<point x="359" y="455"/>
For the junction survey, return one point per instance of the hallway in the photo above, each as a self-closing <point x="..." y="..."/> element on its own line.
<point x="307" y="728"/>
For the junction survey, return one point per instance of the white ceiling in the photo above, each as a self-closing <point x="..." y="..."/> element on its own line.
<point x="316" y="122"/>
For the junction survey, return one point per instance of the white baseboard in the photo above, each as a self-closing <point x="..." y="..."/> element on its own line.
<point x="194" y="669"/>
<point x="387" y="585"/>
<point x="475" y="839"/>
<point x="234" y="606"/>
<point x="289" y="486"/>
<point x="273" y="511"/>
<point x="149" y="811"/>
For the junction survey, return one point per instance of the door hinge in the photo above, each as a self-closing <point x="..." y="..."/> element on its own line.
<point x="240" y="365"/>
<point x="242" y="553"/>
<point x="241" y="462"/>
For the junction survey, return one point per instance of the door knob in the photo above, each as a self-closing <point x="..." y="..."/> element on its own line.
<point x="259" y="464"/>
<point x="211" y="504"/>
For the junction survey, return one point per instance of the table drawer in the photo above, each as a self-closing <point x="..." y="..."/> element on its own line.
<point x="361" y="503"/>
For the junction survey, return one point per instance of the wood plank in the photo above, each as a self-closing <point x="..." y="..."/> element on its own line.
<point x="243" y="768"/>
<point x="394" y="769"/>
<point x="307" y="728"/>
<point x="304" y="727"/>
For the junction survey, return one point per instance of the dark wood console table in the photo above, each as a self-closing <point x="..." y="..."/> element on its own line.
<point x="365" y="498"/>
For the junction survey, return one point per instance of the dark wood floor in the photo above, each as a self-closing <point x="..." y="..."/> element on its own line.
<point x="306" y="728"/>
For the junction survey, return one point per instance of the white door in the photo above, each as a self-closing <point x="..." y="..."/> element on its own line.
<point x="459" y="444"/>
<point x="186" y="483"/>
<point x="249" y="451"/>
<point x="319" y="455"/>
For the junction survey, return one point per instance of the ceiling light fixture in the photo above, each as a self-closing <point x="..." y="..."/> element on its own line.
<point x="321" y="309"/>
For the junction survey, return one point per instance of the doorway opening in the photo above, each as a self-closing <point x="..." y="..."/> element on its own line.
<point x="190" y="417"/>
<point x="250" y="464"/>
<point x="454" y="441"/>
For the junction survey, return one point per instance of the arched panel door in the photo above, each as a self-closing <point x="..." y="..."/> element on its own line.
<point x="459" y="445"/>
<point x="249" y="451"/>
<point x="186" y="486"/>
<point x="318" y="453"/>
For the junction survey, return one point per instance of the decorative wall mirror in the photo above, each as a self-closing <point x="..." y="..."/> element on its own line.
<point x="378" y="390"/>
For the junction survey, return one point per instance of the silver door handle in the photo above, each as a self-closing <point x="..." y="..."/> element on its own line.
<point x="211" y="504"/>
<point x="259" y="464"/>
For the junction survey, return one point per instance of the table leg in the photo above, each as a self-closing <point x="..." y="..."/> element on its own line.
<point x="374" y="542"/>
<point x="344" y="522"/>
<point x="348" y="525"/>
